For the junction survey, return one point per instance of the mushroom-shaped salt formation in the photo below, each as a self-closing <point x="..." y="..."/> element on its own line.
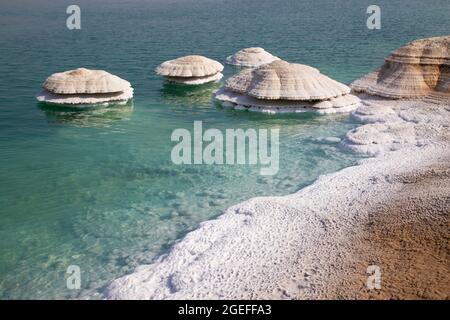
<point x="191" y="70"/>
<point x="417" y="70"/>
<point x="251" y="57"/>
<point x="85" y="87"/>
<point x="286" y="87"/>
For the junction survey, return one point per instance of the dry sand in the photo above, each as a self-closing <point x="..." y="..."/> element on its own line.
<point x="406" y="236"/>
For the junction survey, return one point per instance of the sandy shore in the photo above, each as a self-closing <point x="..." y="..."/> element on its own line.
<point x="408" y="237"/>
<point x="391" y="211"/>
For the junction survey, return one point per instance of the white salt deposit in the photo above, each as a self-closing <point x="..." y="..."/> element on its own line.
<point x="81" y="100"/>
<point x="375" y="113"/>
<point x="393" y="125"/>
<point x="243" y="102"/>
<point x="196" y="80"/>
<point x="376" y="138"/>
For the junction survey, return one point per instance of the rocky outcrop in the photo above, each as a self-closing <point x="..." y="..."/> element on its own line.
<point x="418" y="70"/>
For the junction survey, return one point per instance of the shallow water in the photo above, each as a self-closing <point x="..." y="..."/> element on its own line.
<point x="97" y="188"/>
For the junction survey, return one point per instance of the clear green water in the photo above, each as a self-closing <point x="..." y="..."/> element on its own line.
<point x="97" y="188"/>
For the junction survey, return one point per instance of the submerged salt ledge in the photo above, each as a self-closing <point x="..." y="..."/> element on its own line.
<point x="195" y="80"/>
<point x="242" y="102"/>
<point x="85" y="99"/>
<point x="297" y="246"/>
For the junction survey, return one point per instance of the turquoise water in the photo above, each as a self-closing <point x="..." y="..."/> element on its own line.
<point x="97" y="188"/>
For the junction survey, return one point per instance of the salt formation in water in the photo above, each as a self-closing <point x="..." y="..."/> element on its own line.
<point x="420" y="69"/>
<point x="191" y="70"/>
<point x="251" y="57"/>
<point x="281" y="86"/>
<point x="84" y="87"/>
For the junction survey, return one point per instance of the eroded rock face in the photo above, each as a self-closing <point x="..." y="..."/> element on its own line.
<point x="417" y="70"/>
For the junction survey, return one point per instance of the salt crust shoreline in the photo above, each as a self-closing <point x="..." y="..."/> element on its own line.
<point x="308" y="245"/>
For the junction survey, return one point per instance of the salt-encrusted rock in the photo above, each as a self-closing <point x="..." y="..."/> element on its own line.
<point x="281" y="80"/>
<point x="251" y="57"/>
<point x="192" y="69"/>
<point x="376" y="138"/>
<point x="84" y="80"/>
<point x="281" y="86"/>
<point x="413" y="71"/>
<point x="84" y="86"/>
<point x="375" y="113"/>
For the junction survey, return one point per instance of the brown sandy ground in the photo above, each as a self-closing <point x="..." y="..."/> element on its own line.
<point x="407" y="237"/>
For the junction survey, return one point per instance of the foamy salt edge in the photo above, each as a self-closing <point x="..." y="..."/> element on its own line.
<point x="291" y="246"/>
